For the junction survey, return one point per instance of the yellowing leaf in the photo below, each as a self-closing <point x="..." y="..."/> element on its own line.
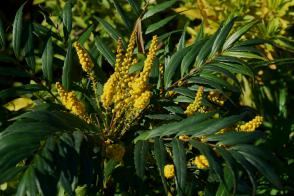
<point x="191" y="13"/>
<point x="18" y="104"/>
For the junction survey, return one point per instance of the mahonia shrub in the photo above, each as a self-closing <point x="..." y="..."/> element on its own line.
<point x="164" y="118"/>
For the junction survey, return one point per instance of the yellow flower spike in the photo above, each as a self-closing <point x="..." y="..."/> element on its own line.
<point x="84" y="58"/>
<point x="119" y="55"/>
<point x="108" y="91"/>
<point x="196" y="105"/>
<point x="169" y="171"/>
<point x="201" y="162"/>
<point x="251" y="125"/>
<point x="143" y="100"/>
<point x="70" y="102"/>
<point x="216" y="98"/>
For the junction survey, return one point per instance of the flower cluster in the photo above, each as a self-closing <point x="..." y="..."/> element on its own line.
<point x="84" y="58"/>
<point x="115" y="151"/>
<point x="201" y="162"/>
<point x="251" y="125"/>
<point x="169" y="171"/>
<point x="216" y="98"/>
<point x="69" y="100"/>
<point x="196" y="105"/>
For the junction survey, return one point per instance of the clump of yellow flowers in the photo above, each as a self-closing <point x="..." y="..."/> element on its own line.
<point x="70" y="101"/>
<point x="251" y="125"/>
<point x="196" y="104"/>
<point x="201" y="162"/>
<point x="169" y="171"/>
<point x="216" y="98"/>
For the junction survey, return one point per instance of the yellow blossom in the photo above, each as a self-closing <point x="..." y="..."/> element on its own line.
<point x="216" y="98"/>
<point x="201" y="162"/>
<point x="251" y="125"/>
<point x="115" y="151"/>
<point x="169" y="171"/>
<point x="84" y="58"/>
<point x="69" y="100"/>
<point x="142" y="101"/>
<point x="184" y="138"/>
<point x="195" y="106"/>
<point x="108" y="91"/>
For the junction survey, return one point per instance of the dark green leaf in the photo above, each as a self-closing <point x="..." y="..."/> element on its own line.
<point x="67" y="67"/>
<point x="237" y="34"/>
<point x="47" y="60"/>
<point x="29" y="47"/>
<point x="123" y="15"/>
<point x="67" y="19"/>
<point x="135" y="6"/>
<point x="86" y="35"/>
<point x="105" y="51"/>
<point x="159" y="24"/>
<point x="158" y="8"/>
<point x="2" y="35"/>
<point x="175" y="127"/>
<point x="160" y="157"/>
<point x="179" y="157"/>
<point x="163" y="116"/>
<point x="247" y="55"/>
<point x="141" y="149"/>
<point x="17" y="31"/>
<point x="172" y="66"/>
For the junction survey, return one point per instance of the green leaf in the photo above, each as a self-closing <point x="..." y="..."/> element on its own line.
<point x="204" y="51"/>
<point x="247" y="55"/>
<point x="235" y="68"/>
<point x="67" y="19"/>
<point x="179" y="158"/>
<point x="237" y="34"/>
<point x="135" y="7"/>
<point x="211" y="126"/>
<point x="182" y="41"/>
<point x="233" y="138"/>
<point x="172" y="66"/>
<point x="153" y="27"/>
<point x="262" y="166"/>
<point x="114" y="34"/>
<point x="2" y="34"/>
<point x="67" y="67"/>
<point x="221" y="37"/>
<point x="86" y="35"/>
<point x="17" y="31"/>
<point x="29" y="47"/>
<point x="163" y="117"/>
<point x="123" y="15"/>
<point x="158" y="8"/>
<point x="28" y="183"/>
<point x="141" y="149"/>
<point x="160" y="157"/>
<point x="137" y="67"/>
<point x="47" y="60"/>
<point x="17" y="91"/>
<point x="190" y="57"/>
<point x="105" y="51"/>
<point x="173" y="128"/>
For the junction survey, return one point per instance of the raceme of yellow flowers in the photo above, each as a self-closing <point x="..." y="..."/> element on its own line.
<point x="201" y="162"/>
<point x="196" y="104"/>
<point x="251" y="125"/>
<point x="169" y="171"/>
<point x="70" y="101"/>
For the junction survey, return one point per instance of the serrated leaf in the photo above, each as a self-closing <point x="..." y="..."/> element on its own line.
<point x="67" y="19"/>
<point x="2" y="34"/>
<point x="172" y="66"/>
<point x="67" y="67"/>
<point x="47" y="60"/>
<point x="17" y="31"/>
<point x="237" y="35"/>
<point x="233" y="138"/>
<point x="141" y="149"/>
<point x="153" y="27"/>
<point x="204" y="51"/>
<point x="105" y="51"/>
<point x="179" y="158"/>
<point x="86" y="35"/>
<point x="158" y="8"/>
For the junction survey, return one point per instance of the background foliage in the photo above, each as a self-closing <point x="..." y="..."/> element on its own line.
<point x="247" y="58"/>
